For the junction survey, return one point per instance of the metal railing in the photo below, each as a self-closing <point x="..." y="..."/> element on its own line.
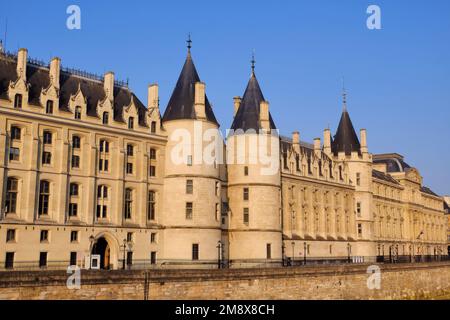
<point x="225" y="264"/>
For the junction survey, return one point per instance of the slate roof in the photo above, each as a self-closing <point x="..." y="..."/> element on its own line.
<point x="181" y="103"/>
<point x="428" y="191"/>
<point x="345" y="139"/>
<point x="247" y="116"/>
<point x="38" y="78"/>
<point x="383" y="176"/>
<point x="394" y="164"/>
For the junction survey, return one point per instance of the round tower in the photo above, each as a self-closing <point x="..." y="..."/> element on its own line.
<point x="255" y="236"/>
<point x="192" y="185"/>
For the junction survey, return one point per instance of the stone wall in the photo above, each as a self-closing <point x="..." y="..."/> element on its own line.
<point x="406" y="281"/>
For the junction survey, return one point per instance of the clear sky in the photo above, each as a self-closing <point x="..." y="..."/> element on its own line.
<point x="397" y="78"/>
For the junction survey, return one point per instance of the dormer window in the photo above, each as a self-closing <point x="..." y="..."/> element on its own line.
<point x="49" y="107"/>
<point x="130" y="123"/>
<point x="78" y="112"/>
<point x="153" y="127"/>
<point x="18" y="101"/>
<point x="105" y="117"/>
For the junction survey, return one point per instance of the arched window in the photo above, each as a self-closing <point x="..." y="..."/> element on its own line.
<point x="44" y="197"/>
<point x="11" y="195"/>
<point x="76" y="142"/>
<point x="18" y="101"/>
<point x="128" y="203"/>
<point x="105" y="118"/>
<point x="78" y="112"/>
<point x="49" y="107"/>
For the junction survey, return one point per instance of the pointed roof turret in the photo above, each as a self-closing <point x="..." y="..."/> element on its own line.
<point x="181" y="103"/>
<point x="345" y="139"/>
<point x="248" y="114"/>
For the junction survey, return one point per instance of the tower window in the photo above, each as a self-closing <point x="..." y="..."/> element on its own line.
<point x="246" y="194"/>
<point x="9" y="260"/>
<point x="152" y="154"/>
<point x="73" y="236"/>
<point x="11" y="195"/>
<point x="151" y="205"/>
<point x="189" y="209"/>
<point x="130" y="150"/>
<point x="189" y="161"/>
<point x="42" y="259"/>
<point x="47" y="137"/>
<point x="153" y="257"/>
<point x="44" y="236"/>
<point x="128" y="203"/>
<point x="46" y="157"/>
<point x="73" y="189"/>
<point x="358" y="179"/>
<point x="245" y="171"/>
<point x="49" y="107"/>
<point x="189" y="186"/>
<point x="358" y="209"/>
<point x="246" y="216"/>
<point x="269" y="251"/>
<point x="195" y="251"/>
<point x="153" y="127"/>
<point x="10" y="235"/>
<point x="75" y="161"/>
<point x="76" y="142"/>
<point x="359" y="229"/>
<point x="152" y="171"/>
<point x="15" y="133"/>
<point x="18" y="101"/>
<point x="44" y="195"/>
<point x="129" y="168"/>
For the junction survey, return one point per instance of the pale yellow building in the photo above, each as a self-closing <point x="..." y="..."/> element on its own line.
<point x="88" y="171"/>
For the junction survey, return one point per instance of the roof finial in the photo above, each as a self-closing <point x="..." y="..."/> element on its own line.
<point x="253" y="62"/>
<point x="189" y="43"/>
<point x="344" y="95"/>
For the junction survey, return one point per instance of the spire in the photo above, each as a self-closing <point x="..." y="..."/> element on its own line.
<point x="344" y="95"/>
<point x="248" y="114"/>
<point x="253" y="63"/>
<point x="181" y="103"/>
<point x="189" y="43"/>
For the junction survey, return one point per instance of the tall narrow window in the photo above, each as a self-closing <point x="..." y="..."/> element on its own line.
<point x="104" y="146"/>
<point x="78" y="112"/>
<point x="44" y="196"/>
<point x="47" y="137"/>
<point x="11" y="195"/>
<point x="246" y="217"/>
<point x="153" y="127"/>
<point x="73" y="209"/>
<point x="44" y="236"/>
<point x="130" y="150"/>
<point x="105" y="117"/>
<point x="15" y="133"/>
<point x="129" y="258"/>
<point x="358" y="179"/>
<point x="358" y="209"/>
<point x="189" y="186"/>
<point x="18" y="101"/>
<point x="128" y="203"/>
<point x="102" y="204"/>
<point x="10" y="235"/>
<point x="189" y="161"/>
<point x="152" y="171"/>
<point x="189" y="209"/>
<point x="151" y="205"/>
<point x="195" y="251"/>
<point x="245" y="171"/>
<point x="46" y="157"/>
<point x="152" y="154"/>
<point x="359" y="229"/>
<point x="42" y="259"/>
<point x="73" y="236"/>
<point x="297" y="162"/>
<point x="9" y="260"/>
<point x="73" y="189"/>
<point x="269" y="251"/>
<point x="73" y="258"/>
<point x="153" y="257"/>
<point x="14" y="154"/>
<point x="129" y="168"/>
<point x="320" y="168"/>
<point x="130" y="123"/>
<point x="75" y="161"/>
<point x="331" y="169"/>
<point x="340" y="173"/>
<point x="76" y="142"/>
<point x="49" y="107"/>
<point x="217" y="188"/>
<point x="309" y="165"/>
<point x="246" y="194"/>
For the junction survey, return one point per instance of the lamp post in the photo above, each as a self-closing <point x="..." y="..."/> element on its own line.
<point x="124" y="246"/>
<point x="305" y="247"/>
<point x="219" y="249"/>
<point x="91" y="241"/>
<point x="283" y="254"/>
<point x="349" y="248"/>
<point x="293" y="253"/>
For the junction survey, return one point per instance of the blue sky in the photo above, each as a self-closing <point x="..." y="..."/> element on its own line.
<point x="397" y="78"/>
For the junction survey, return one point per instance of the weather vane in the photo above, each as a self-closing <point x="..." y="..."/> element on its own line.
<point x="189" y="43"/>
<point x="253" y="61"/>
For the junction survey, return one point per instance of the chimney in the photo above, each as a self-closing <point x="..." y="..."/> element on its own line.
<point x="200" y="100"/>
<point x="108" y="85"/>
<point x="22" y="64"/>
<point x="153" y="96"/>
<point x="237" y="104"/>
<point x="264" y="115"/>
<point x="317" y="146"/>
<point x="327" y="141"/>
<point x="55" y="68"/>
<point x="363" y="134"/>
<point x="296" y="141"/>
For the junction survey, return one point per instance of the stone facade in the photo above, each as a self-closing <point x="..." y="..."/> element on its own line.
<point x="88" y="169"/>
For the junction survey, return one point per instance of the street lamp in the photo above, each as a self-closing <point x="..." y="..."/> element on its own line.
<point x="305" y="246"/>
<point x="124" y="246"/>
<point x="349" y="248"/>
<point x="293" y="253"/>
<point x="283" y="254"/>
<point x="219" y="249"/>
<point x="91" y="243"/>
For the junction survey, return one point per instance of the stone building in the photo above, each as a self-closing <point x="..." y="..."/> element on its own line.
<point x="89" y="170"/>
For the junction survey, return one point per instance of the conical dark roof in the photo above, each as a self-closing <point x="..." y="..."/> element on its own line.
<point x="181" y="103"/>
<point x="345" y="139"/>
<point x="247" y="116"/>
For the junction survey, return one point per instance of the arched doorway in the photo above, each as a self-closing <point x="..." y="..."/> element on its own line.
<point x="101" y="247"/>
